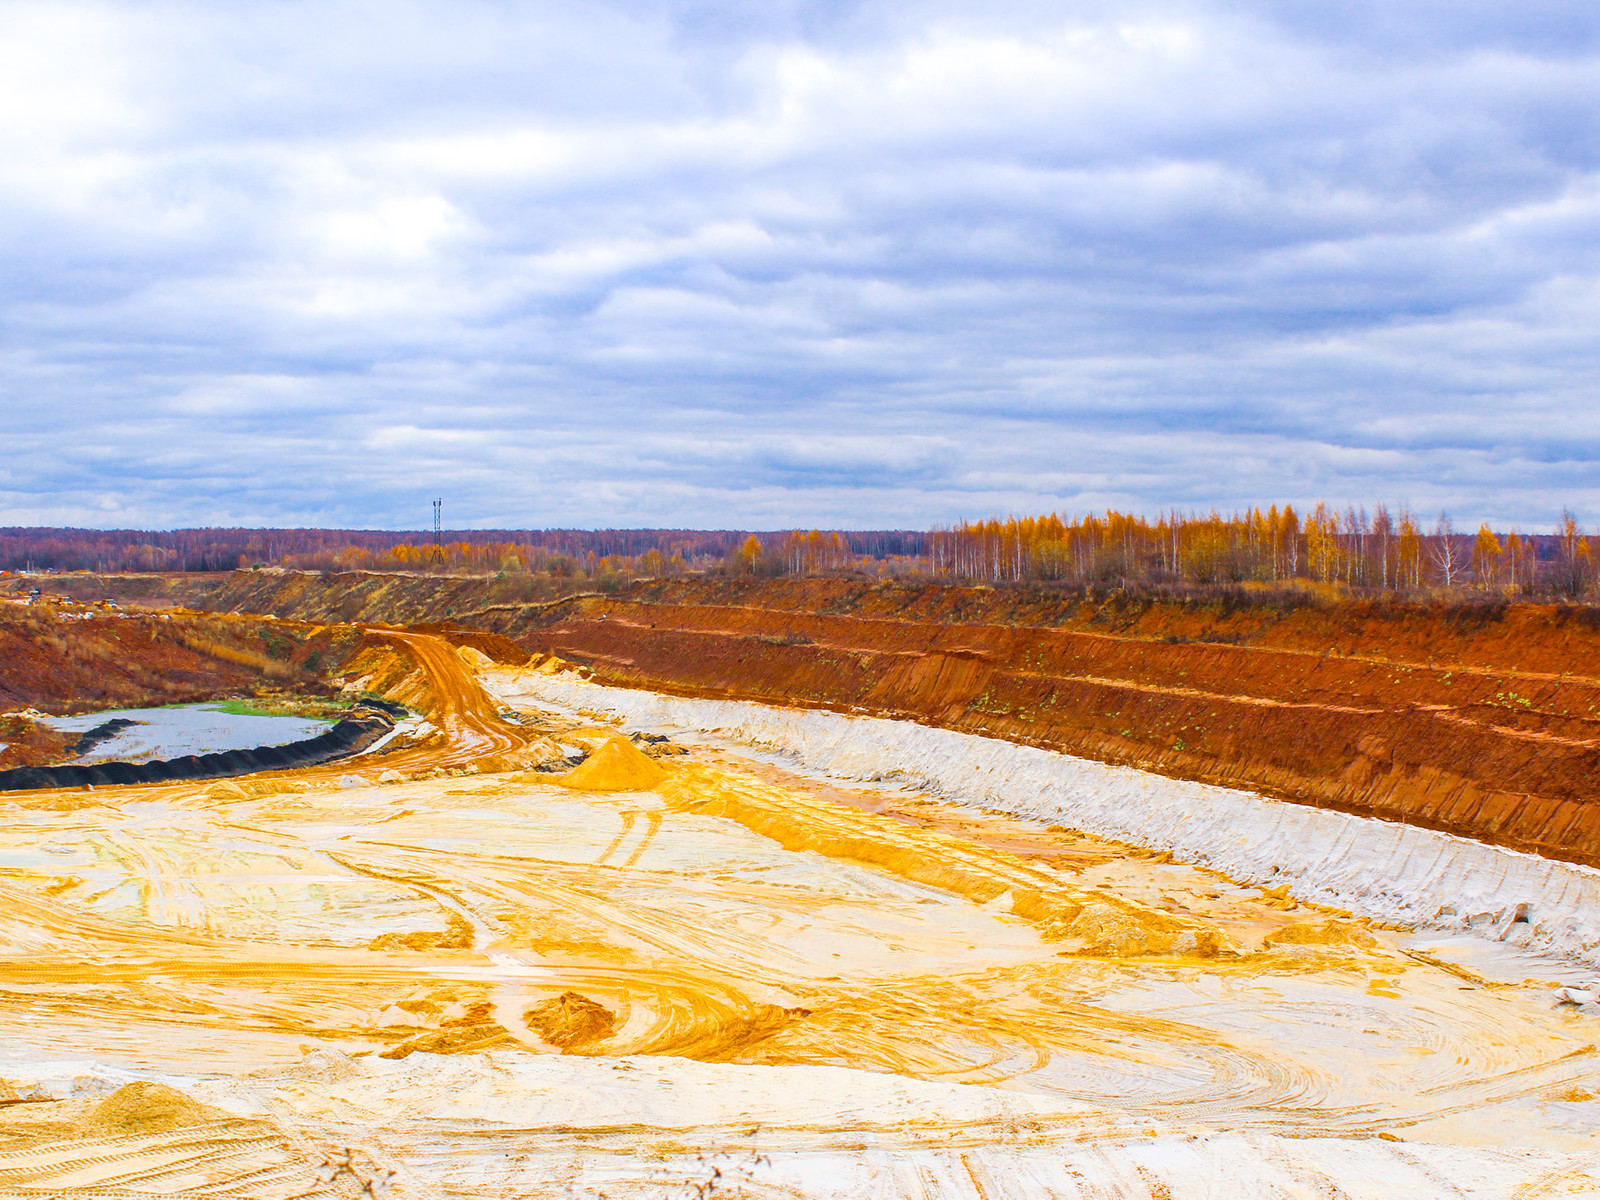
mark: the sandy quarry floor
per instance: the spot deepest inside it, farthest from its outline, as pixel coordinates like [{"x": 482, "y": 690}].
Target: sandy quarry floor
[{"x": 740, "y": 979}]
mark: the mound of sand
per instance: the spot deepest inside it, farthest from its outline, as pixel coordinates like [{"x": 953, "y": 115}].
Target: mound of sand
[
  {"x": 145, "y": 1107},
  {"x": 570, "y": 1019},
  {"x": 589, "y": 737},
  {"x": 134, "y": 1110},
  {"x": 618, "y": 766},
  {"x": 475, "y": 1030}
]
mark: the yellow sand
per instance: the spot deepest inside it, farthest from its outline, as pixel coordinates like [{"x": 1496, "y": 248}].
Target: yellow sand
[{"x": 618, "y": 766}]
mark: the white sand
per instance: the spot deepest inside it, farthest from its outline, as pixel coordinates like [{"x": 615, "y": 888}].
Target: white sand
[{"x": 1378, "y": 869}]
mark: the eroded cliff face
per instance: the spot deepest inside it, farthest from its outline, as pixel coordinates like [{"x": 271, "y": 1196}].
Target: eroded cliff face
[{"x": 1481, "y": 723}]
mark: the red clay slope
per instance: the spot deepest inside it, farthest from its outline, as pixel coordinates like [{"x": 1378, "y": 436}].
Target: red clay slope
[
  {"x": 77, "y": 660},
  {"x": 1484, "y": 722}
]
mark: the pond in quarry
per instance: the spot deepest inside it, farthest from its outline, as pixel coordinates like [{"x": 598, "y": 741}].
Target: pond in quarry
[{"x": 145, "y": 734}]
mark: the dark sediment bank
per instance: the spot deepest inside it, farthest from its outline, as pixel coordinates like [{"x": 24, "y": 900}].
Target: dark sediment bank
[{"x": 100, "y": 733}]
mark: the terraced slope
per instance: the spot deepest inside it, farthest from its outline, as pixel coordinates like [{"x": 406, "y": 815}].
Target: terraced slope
[{"x": 1485, "y": 724}]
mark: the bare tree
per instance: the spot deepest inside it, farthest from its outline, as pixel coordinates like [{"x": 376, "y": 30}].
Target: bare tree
[
  {"x": 1447, "y": 556},
  {"x": 1363, "y": 533},
  {"x": 1382, "y": 532}
]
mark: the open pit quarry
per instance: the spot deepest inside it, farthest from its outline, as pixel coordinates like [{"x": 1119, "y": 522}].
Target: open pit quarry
[{"x": 811, "y": 890}]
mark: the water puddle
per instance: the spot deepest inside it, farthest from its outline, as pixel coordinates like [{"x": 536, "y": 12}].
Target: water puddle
[{"x": 145, "y": 734}]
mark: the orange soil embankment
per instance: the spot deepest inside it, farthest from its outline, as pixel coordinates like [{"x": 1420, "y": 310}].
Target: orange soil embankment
[{"x": 1482, "y": 722}]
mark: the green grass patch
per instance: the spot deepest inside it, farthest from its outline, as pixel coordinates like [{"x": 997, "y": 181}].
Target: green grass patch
[{"x": 316, "y": 707}]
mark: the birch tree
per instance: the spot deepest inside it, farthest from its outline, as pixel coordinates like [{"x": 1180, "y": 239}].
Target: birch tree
[{"x": 1447, "y": 556}]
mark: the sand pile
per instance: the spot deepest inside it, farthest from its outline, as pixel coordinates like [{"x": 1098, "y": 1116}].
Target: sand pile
[
  {"x": 570, "y": 1020},
  {"x": 145, "y": 1107},
  {"x": 618, "y": 766},
  {"x": 134, "y": 1110}
]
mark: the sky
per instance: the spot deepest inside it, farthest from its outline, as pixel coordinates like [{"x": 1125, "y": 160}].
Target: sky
[{"x": 763, "y": 265}]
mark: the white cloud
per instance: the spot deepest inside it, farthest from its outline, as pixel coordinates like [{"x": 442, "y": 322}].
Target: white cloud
[{"x": 849, "y": 264}]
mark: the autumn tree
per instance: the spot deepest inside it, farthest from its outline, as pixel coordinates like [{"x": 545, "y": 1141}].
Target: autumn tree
[
  {"x": 1486, "y": 550},
  {"x": 748, "y": 555},
  {"x": 1515, "y": 553},
  {"x": 1408, "y": 551},
  {"x": 1289, "y": 537},
  {"x": 1577, "y": 566},
  {"x": 1319, "y": 543}
]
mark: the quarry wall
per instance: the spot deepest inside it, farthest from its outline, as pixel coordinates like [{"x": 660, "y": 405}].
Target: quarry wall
[
  {"x": 1481, "y": 720},
  {"x": 1397, "y": 716}
]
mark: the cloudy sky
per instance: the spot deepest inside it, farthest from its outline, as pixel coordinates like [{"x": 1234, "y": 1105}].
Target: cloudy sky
[{"x": 788, "y": 263}]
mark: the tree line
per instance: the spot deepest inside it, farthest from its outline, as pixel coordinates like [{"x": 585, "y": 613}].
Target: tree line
[
  {"x": 561, "y": 553},
  {"x": 1386, "y": 549}
]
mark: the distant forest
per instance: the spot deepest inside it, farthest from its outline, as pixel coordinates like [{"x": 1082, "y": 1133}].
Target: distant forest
[
  {"x": 565, "y": 551},
  {"x": 1348, "y": 550}
]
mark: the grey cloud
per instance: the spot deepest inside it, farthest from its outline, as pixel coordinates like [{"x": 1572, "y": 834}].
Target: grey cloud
[{"x": 854, "y": 264}]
